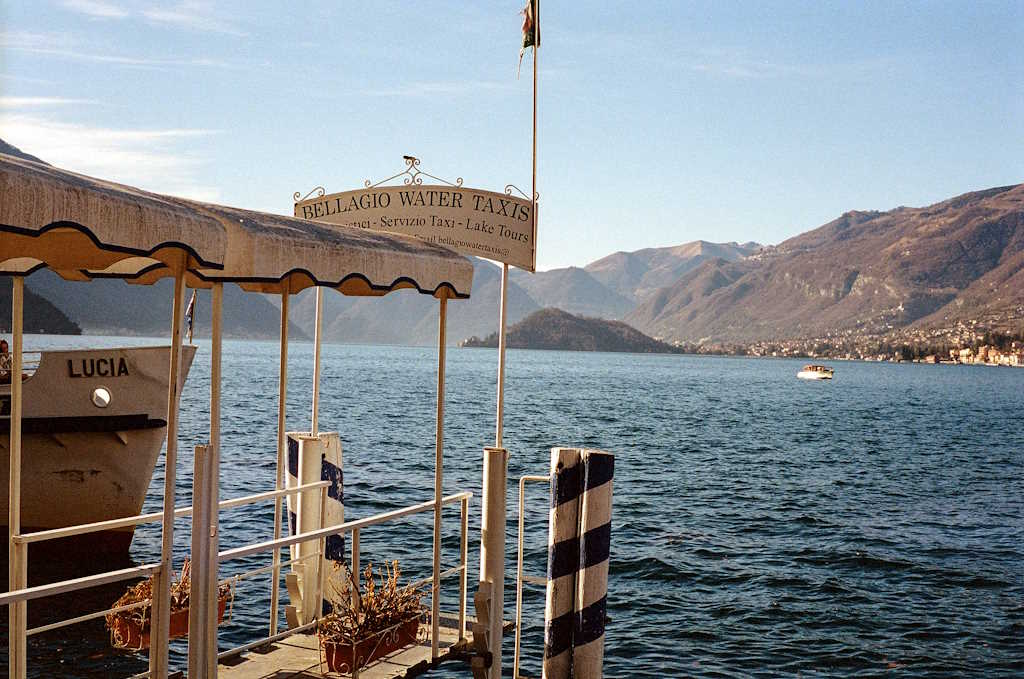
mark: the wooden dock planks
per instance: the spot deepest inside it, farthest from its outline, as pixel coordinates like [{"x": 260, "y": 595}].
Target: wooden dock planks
[{"x": 298, "y": 657}]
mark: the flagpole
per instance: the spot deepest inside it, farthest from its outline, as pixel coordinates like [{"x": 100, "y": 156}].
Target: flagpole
[
  {"x": 533, "y": 185},
  {"x": 499, "y": 426}
]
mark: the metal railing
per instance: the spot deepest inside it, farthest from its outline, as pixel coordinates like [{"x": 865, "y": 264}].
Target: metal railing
[
  {"x": 65, "y": 586},
  {"x": 520, "y": 577},
  {"x": 355, "y": 528},
  {"x": 26, "y": 594}
]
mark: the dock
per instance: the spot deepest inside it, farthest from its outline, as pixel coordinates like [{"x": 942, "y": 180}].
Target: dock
[{"x": 298, "y": 657}]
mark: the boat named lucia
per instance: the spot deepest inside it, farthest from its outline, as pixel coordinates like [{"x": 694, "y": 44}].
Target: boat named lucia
[{"x": 93, "y": 424}]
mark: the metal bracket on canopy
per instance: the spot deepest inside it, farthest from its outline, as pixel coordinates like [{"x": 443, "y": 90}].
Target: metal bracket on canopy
[
  {"x": 319, "y": 191},
  {"x": 413, "y": 175}
]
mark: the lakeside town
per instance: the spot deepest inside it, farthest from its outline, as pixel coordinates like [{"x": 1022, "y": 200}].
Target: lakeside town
[{"x": 967, "y": 343}]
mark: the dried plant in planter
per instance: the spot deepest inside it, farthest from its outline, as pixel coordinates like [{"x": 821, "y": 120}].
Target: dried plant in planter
[
  {"x": 385, "y": 618},
  {"x": 130, "y": 629}
]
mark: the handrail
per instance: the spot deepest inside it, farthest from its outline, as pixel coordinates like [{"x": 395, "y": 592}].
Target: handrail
[
  {"x": 256, "y": 548},
  {"x": 88, "y": 616},
  {"x": 62, "y": 586},
  {"x": 354, "y": 527},
  {"x": 153, "y": 517},
  {"x": 29, "y": 593},
  {"x": 520, "y": 578}
]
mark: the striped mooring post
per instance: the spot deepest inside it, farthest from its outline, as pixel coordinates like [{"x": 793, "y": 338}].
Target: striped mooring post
[
  {"x": 312, "y": 459},
  {"x": 579, "y": 542}
]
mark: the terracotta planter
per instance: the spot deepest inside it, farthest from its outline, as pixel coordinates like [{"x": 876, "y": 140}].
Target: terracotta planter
[
  {"x": 346, "y": 657},
  {"x": 130, "y": 635}
]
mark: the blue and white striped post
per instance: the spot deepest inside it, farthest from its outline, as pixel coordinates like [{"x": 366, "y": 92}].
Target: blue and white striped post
[
  {"x": 578, "y": 549},
  {"x": 563, "y": 561},
  {"x": 592, "y": 582}
]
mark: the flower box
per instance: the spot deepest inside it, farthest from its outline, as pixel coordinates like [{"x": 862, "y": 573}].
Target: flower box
[
  {"x": 370, "y": 622},
  {"x": 129, "y": 629},
  {"x": 346, "y": 657},
  {"x": 129, "y": 633}
]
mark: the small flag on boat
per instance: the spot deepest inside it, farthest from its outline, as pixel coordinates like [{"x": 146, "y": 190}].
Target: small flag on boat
[
  {"x": 189, "y": 313},
  {"x": 531, "y": 28}
]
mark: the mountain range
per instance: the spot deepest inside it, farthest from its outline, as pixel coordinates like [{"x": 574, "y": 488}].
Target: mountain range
[{"x": 958, "y": 261}]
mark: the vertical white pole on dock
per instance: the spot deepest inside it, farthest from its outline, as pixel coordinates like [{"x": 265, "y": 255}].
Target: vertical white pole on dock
[
  {"x": 315, "y": 426},
  {"x": 161, "y": 619},
  {"x": 282, "y": 391},
  {"x": 213, "y": 481},
  {"x": 202, "y": 639},
  {"x": 197, "y": 650},
  {"x": 17, "y": 575},
  {"x": 492, "y": 547},
  {"x": 502, "y": 315},
  {"x": 435, "y": 596},
  {"x": 308, "y": 518}
]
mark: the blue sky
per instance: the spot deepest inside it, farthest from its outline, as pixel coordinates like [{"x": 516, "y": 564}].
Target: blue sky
[{"x": 660, "y": 122}]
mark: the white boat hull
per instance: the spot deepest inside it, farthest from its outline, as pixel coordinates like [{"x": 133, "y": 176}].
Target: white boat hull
[
  {"x": 82, "y": 463},
  {"x": 813, "y": 375}
]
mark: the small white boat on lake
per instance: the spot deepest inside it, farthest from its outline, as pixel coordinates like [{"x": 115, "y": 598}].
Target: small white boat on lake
[{"x": 815, "y": 372}]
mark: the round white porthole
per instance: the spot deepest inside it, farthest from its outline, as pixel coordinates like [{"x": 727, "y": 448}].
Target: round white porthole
[{"x": 101, "y": 397}]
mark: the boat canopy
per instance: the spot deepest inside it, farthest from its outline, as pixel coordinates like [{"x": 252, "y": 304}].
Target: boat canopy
[{"x": 86, "y": 228}]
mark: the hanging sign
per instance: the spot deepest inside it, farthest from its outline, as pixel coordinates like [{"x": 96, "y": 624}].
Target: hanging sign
[{"x": 471, "y": 221}]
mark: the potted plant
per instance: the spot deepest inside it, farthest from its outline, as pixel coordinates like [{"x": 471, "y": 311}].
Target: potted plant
[
  {"x": 386, "y": 617},
  {"x": 130, "y": 629}
]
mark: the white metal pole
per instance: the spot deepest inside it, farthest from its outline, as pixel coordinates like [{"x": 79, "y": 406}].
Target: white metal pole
[
  {"x": 464, "y": 564},
  {"x": 492, "y": 547},
  {"x": 202, "y": 643},
  {"x": 197, "y": 650},
  {"x": 499, "y": 426},
  {"x": 533, "y": 191},
  {"x": 519, "y": 580},
  {"x": 161, "y": 619},
  {"x": 315, "y": 427},
  {"x": 213, "y": 480},
  {"x": 282, "y": 390},
  {"x": 435, "y": 596},
  {"x": 17, "y": 576}
]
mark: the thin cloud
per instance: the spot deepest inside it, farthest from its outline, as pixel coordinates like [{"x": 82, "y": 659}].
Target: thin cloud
[
  {"x": 161, "y": 160},
  {"x": 97, "y": 9},
  {"x": 423, "y": 89},
  {"x": 192, "y": 15},
  {"x": 61, "y": 47},
  {"x": 40, "y": 102},
  {"x": 740, "y": 65}
]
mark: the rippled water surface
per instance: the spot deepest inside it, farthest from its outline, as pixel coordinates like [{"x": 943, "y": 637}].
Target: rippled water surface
[{"x": 762, "y": 526}]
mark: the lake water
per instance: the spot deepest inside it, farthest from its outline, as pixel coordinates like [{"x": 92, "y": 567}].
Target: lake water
[{"x": 762, "y": 525}]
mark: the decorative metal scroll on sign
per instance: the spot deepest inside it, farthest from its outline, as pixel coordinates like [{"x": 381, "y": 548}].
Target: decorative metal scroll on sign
[
  {"x": 319, "y": 191},
  {"x": 413, "y": 175},
  {"x": 508, "y": 192},
  {"x": 488, "y": 224}
]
